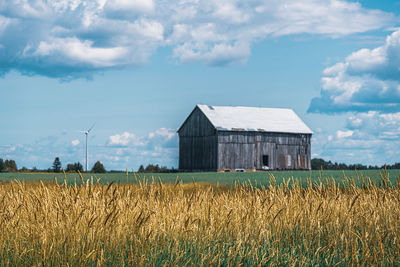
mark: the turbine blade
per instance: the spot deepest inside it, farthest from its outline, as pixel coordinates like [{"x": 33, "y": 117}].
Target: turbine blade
[{"x": 91, "y": 127}]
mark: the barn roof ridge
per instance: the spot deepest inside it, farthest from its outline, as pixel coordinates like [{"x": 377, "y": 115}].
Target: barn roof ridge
[{"x": 241, "y": 118}]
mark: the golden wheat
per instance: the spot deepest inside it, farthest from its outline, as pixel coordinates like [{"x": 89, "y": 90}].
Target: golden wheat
[{"x": 199, "y": 224}]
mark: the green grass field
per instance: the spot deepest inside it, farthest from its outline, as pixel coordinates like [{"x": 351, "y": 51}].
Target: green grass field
[{"x": 261, "y": 178}]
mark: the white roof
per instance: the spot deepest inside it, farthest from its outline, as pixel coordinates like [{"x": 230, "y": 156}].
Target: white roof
[{"x": 279, "y": 120}]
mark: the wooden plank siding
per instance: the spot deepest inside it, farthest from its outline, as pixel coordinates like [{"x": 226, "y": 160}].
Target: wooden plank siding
[
  {"x": 204, "y": 148},
  {"x": 245, "y": 150},
  {"x": 197, "y": 144}
]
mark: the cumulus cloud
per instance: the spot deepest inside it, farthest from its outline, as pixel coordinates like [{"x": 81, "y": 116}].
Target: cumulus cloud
[
  {"x": 167, "y": 133},
  {"x": 75, "y": 38},
  {"x": 368, "y": 79},
  {"x": 158, "y": 147},
  {"x": 365, "y": 85},
  {"x": 368, "y": 137},
  {"x": 121, "y": 139},
  {"x": 344, "y": 134},
  {"x": 127, "y": 8},
  {"x": 376, "y": 125},
  {"x": 75, "y": 142}
]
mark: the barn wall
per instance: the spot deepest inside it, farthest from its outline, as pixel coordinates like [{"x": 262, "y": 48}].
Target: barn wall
[
  {"x": 197, "y": 144},
  {"x": 245, "y": 150},
  {"x": 198, "y": 153}
]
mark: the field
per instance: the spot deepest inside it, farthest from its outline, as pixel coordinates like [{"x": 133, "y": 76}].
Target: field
[
  {"x": 356, "y": 222},
  {"x": 261, "y": 178}
]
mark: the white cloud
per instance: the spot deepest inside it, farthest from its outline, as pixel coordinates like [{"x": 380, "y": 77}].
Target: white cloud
[
  {"x": 167, "y": 133},
  {"x": 161, "y": 136},
  {"x": 376, "y": 125},
  {"x": 229, "y": 11},
  {"x": 75, "y": 142},
  {"x": 75, "y": 38},
  {"x": 130, "y": 6},
  {"x": 368, "y": 79},
  {"x": 78, "y": 52},
  {"x": 157, "y": 147},
  {"x": 218, "y": 54},
  {"x": 10, "y": 149},
  {"x": 321, "y": 17},
  {"x": 26, "y": 9},
  {"x": 344, "y": 134},
  {"x": 369, "y": 138},
  {"x": 4, "y": 22},
  {"x": 124, "y": 139}
]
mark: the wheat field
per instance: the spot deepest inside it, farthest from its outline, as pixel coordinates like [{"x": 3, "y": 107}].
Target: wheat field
[{"x": 156, "y": 224}]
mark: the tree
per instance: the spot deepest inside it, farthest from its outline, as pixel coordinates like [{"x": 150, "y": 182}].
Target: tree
[
  {"x": 75, "y": 167},
  {"x": 98, "y": 168},
  {"x": 141, "y": 168},
  {"x": 57, "y": 165},
  {"x": 2, "y": 167},
  {"x": 10, "y": 166},
  {"x": 24, "y": 169},
  {"x": 155, "y": 168}
]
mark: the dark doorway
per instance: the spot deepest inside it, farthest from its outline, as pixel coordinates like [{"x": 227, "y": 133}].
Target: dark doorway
[{"x": 265, "y": 160}]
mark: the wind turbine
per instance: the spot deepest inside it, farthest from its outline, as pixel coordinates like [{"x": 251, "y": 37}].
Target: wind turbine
[{"x": 87, "y": 133}]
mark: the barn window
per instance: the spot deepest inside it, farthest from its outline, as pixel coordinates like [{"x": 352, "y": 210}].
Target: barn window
[{"x": 265, "y": 160}]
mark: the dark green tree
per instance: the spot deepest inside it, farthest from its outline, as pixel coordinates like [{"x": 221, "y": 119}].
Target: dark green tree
[
  {"x": 75, "y": 167},
  {"x": 98, "y": 168},
  {"x": 141, "y": 168},
  {"x": 57, "y": 165},
  {"x": 152, "y": 168},
  {"x": 2, "y": 167},
  {"x": 10, "y": 166},
  {"x": 24, "y": 169}
]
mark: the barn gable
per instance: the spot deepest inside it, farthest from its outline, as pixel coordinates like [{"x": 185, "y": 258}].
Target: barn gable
[{"x": 196, "y": 124}]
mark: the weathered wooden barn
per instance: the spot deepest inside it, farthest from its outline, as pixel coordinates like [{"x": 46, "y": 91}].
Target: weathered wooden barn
[{"x": 223, "y": 138}]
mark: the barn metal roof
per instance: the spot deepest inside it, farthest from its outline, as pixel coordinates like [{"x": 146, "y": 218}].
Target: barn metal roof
[{"x": 229, "y": 118}]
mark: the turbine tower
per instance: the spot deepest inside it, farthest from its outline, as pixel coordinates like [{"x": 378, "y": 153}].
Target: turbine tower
[{"x": 87, "y": 155}]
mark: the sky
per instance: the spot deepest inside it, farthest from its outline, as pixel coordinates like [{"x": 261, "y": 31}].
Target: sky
[{"x": 137, "y": 68}]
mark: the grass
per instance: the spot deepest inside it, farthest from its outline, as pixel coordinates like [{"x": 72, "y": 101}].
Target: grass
[
  {"x": 261, "y": 178},
  {"x": 154, "y": 223}
]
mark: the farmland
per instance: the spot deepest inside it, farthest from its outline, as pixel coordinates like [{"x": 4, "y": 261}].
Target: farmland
[
  {"x": 261, "y": 178},
  {"x": 156, "y": 223}
]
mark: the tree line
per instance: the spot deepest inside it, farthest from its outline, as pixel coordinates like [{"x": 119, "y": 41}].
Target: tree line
[
  {"x": 98, "y": 167},
  {"x": 318, "y": 163},
  {"x": 156, "y": 169},
  {"x": 11, "y": 166}
]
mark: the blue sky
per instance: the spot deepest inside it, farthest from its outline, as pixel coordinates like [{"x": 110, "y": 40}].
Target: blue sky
[{"x": 137, "y": 68}]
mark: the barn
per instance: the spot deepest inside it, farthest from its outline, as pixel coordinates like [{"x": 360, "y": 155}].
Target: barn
[{"x": 225, "y": 138}]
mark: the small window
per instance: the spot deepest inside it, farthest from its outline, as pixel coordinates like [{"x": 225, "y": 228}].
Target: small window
[
  {"x": 289, "y": 160},
  {"x": 265, "y": 160}
]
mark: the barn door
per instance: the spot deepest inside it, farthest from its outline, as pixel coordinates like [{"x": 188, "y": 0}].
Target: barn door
[{"x": 266, "y": 155}]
